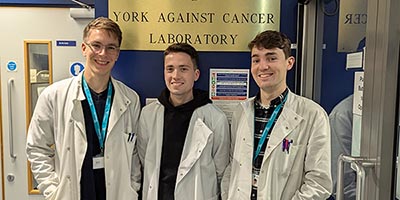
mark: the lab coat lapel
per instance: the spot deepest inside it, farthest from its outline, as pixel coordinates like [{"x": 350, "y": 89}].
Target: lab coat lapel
[
  {"x": 77, "y": 111},
  {"x": 286, "y": 123},
  {"x": 199, "y": 138},
  {"x": 119, "y": 106}
]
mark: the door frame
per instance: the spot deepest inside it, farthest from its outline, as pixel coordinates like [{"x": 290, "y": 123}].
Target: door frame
[
  {"x": 1, "y": 144},
  {"x": 379, "y": 117}
]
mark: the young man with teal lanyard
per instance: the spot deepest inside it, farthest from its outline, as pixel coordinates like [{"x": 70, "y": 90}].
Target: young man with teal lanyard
[
  {"x": 81, "y": 139},
  {"x": 280, "y": 141}
]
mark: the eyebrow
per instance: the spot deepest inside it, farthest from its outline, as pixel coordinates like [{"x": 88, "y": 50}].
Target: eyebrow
[
  {"x": 270, "y": 53},
  {"x": 267, "y": 54},
  {"x": 109, "y": 44},
  {"x": 179, "y": 66}
]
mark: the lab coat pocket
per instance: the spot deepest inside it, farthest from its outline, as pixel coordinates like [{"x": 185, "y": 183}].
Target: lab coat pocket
[
  {"x": 130, "y": 137},
  {"x": 286, "y": 162},
  {"x": 129, "y": 142}
]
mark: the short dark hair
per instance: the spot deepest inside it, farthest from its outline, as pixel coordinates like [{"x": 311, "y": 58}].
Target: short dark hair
[
  {"x": 270, "y": 40},
  {"x": 103, "y": 23},
  {"x": 185, "y": 48}
]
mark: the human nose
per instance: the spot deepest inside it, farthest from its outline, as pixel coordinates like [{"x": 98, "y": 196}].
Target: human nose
[
  {"x": 264, "y": 64},
  {"x": 102, "y": 50},
  {"x": 175, "y": 73}
]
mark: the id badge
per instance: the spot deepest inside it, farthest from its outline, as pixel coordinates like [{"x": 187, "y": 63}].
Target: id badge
[{"x": 98, "y": 162}]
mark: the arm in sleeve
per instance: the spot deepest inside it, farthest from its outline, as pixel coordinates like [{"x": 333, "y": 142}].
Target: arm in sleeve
[
  {"x": 341, "y": 138},
  {"x": 317, "y": 182},
  {"x": 40, "y": 145}
]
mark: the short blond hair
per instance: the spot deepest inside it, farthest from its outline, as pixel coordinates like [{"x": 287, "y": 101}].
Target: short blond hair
[{"x": 103, "y": 23}]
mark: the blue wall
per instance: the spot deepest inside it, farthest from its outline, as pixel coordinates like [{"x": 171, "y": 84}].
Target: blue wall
[
  {"x": 143, "y": 70},
  {"x": 47, "y": 3}
]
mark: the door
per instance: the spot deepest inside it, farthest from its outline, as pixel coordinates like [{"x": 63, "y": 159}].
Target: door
[
  {"x": 374, "y": 142},
  {"x": 379, "y": 138},
  {"x": 21, "y": 27}
]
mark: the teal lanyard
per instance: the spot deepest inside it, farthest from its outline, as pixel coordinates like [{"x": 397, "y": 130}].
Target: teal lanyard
[
  {"x": 100, "y": 133},
  {"x": 268, "y": 127}
]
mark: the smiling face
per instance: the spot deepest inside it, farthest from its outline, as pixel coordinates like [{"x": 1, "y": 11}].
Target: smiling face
[
  {"x": 180, "y": 75},
  {"x": 269, "y": 68},
  {"x": 100, "y": 55}
]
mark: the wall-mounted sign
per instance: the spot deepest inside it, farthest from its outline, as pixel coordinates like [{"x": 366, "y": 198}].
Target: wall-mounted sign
[
  {"x": 352, "y": 25},
  {"x": 229, "y": 84},
  {"x": 208, "y": 25},
  {"x": 11, "y": 66},
  {"x": 75, "y": 68},
  {"x": 228, "y": 87},
  {"x": 66, "y": 43}
]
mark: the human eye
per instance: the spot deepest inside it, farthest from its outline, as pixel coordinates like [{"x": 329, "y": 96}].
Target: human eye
[
  {"x": 184, "y": 69},
  {"x": 169, "y": 69},
  {"x": 112, "y": 48},
  {"x": 255, "y": 60},
  {"x": 271, "y": 58},
  {"x": 96, "y": 46}
]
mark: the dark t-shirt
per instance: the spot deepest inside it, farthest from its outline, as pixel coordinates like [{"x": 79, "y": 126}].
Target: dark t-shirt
[{"x": 93, "y": 186}]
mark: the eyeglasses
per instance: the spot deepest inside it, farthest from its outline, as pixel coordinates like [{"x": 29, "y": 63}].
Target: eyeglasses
[{"x": 98, "y": 47}]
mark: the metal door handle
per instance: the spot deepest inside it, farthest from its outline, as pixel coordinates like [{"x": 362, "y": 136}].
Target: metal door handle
[
  {"x": 10, "y": 122},
  {"x": 359, "y": 163}
]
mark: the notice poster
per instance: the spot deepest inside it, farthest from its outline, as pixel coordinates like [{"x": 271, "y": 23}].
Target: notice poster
[{"x": 228, "y": 87}]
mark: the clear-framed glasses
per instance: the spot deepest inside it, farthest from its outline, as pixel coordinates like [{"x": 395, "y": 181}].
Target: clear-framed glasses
[{"x": 98, "y": 47}]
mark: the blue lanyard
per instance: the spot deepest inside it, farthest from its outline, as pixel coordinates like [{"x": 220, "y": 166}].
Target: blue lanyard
[
  {"x": 268, "y": 127},
  {"x": 100, "y": 133}
]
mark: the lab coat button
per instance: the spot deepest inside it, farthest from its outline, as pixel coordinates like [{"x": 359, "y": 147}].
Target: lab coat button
[
  {"x": 244, "y": 139},
  {"x": 287, "y": 128},
  {"x": 68, "y": 177},
  {"x": 68, "y": 148}
]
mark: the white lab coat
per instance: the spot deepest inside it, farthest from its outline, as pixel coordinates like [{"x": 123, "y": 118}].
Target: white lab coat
[
  {"x": 204, "y": 157},
  {"x": 56, "y": 143},
  {"x": 303, "y": 173}
]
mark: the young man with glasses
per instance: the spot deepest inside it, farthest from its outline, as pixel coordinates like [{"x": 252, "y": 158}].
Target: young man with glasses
[{"x": 81, "y": 139}]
